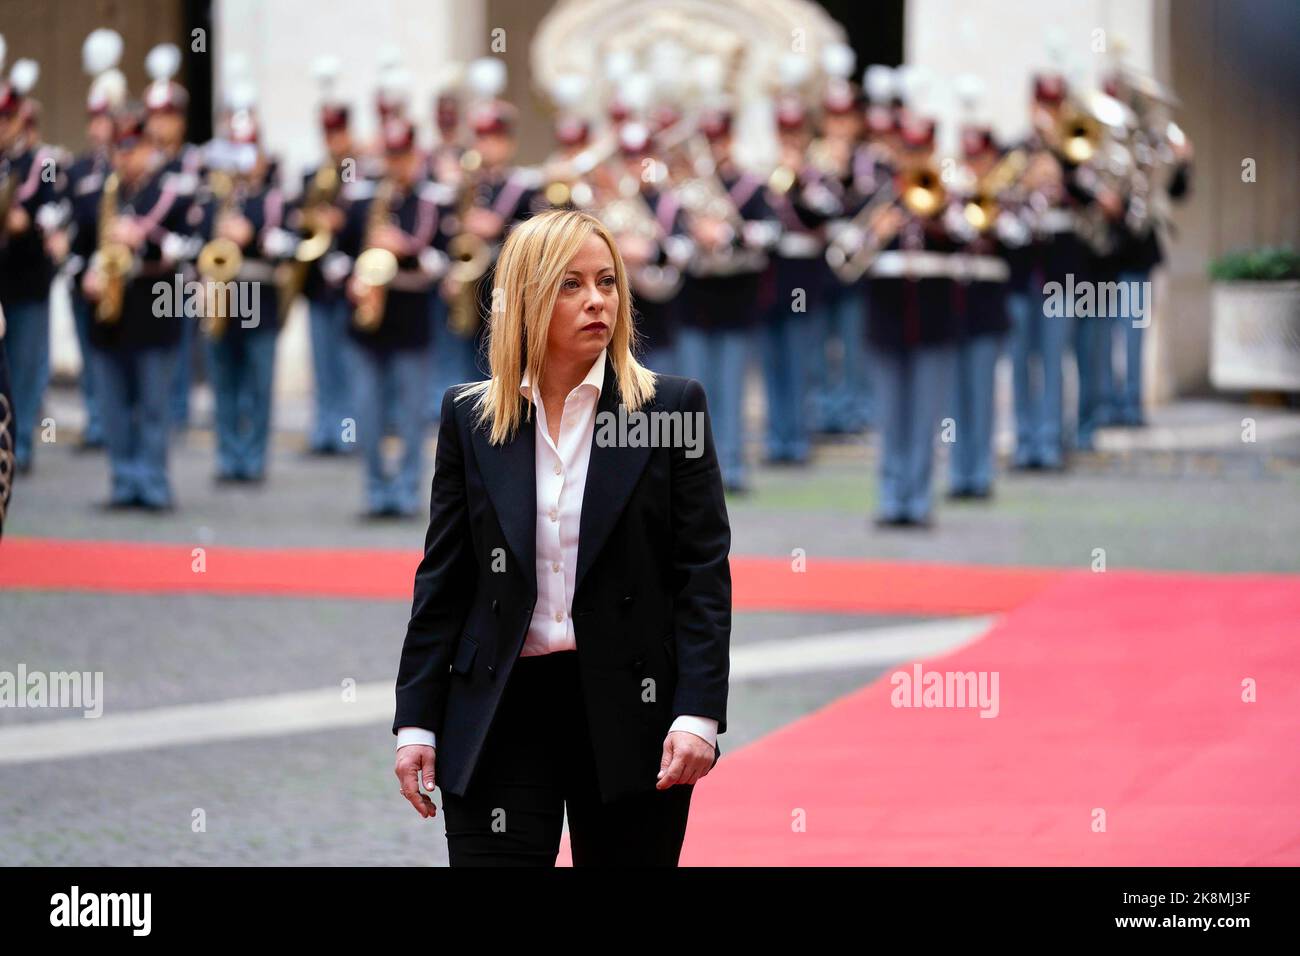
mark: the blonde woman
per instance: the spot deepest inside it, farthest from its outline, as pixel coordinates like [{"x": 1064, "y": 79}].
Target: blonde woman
[{"x": 568, "y": 644}]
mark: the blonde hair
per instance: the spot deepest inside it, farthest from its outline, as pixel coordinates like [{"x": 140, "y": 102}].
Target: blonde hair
[{"x": 529, "y": 272}]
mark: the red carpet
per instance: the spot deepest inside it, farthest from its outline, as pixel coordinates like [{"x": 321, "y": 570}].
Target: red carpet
[
  {"x": 1119, "y": 691},
  {"x": 760, "y": 584}
]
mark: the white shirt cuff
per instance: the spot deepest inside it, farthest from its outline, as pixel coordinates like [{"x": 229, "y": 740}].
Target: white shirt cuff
[
  {"x": 414, "y": 735},
  {"x": 705, "y": 727}
]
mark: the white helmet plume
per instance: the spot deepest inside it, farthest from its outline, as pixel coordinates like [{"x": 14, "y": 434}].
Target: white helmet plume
[{"x": 102, "y": 50}]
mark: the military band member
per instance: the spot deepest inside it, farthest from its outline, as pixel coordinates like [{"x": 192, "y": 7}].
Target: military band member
[
  {"x": 1037, "y": 339},
  {"x": 654, "y": 243},
  {"x": 910, "y": 294},
  {"x": 444, "y": 157},
  {"x": 134, "y": 343},
  {"x": 794, "y": 323},
  {"x": 182, "y": 171},
  {"x": 981, "y": 276},
  {"x": 101, "y": 54},
  {"x": 839, "y": 393},
  {"x": 241, "y": 315},
  {"x": 732, "y": 228},
  {"x": 29, "y": 176},
  {"x": 324, "y": 198},
  {"x": 1162, "y": 163},
  {"x": 389, "y": 332},
  {"x": 493, "y": 195}
]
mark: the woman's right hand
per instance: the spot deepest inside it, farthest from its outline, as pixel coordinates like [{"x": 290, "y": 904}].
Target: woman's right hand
[{"x": 415, "y": 762}]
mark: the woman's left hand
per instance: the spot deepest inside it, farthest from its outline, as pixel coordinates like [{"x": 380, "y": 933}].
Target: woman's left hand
[{"x": 687, "y": 757}]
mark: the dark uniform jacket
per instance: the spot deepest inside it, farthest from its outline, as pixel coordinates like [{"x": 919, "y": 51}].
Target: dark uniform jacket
[
  {"x": 25, "y": 268},
  {"x": 262, "y": 204},
  {"x": 408, "y": 301},
  {"x": 730, "y": 300},
  {"x": 164, "y": 211},
  {"x": 909, "y": 312}
]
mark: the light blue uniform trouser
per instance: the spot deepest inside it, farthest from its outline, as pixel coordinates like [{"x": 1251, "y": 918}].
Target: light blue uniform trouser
[
  {"x": 1037, "y": 350},
  {"x": 1125, "y": 392},
  {"x": 328, "y": 321},
  {"x": 135, "y": 391},
  {"x": 83, "y": 314},
  {"x": 1092, "y": 336},
  {"x": 787, "y": 340},
  {"x": 662, "y": 359},
  {"x": 179, "y": 397},
  {"x": 911, "y": 388},
  {"x": 28, "y": 344},
  {"x": 840, "y": 399},
  {"x": 717, "y": 359},
  {"x": 242, "y": 369},
  {"x": 970, "y": 462},
  {"x": 390, "y": 389},
  {"x": 452, "y": 359}
]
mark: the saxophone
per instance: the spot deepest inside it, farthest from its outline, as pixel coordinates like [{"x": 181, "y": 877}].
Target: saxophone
[
  {"x": 317, "y": 238},
  {"x": 470, "y": 257},
  {"x": 220, "y": 259},
  {"x": 113, "y": 260},
  {"x": 375, "y": 267}
]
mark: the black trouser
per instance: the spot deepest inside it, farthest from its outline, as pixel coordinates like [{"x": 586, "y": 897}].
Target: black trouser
[{"x": 537, "y": 762}]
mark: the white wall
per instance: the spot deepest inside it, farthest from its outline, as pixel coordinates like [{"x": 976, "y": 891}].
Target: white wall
[
  {"x": 282, "y": 38},
  {"x": 1004, "y": 43}
]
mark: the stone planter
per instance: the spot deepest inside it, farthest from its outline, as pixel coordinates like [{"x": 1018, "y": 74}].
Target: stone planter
[{"x": 1255, "y": 339}]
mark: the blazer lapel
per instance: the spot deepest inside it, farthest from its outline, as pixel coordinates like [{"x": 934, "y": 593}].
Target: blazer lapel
[
  {"x": 611, "y": 475},
  {"x": 509, "y": 472}
]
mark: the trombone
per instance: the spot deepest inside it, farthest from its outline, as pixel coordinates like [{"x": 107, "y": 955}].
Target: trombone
[{"x": 920, "y": 191}]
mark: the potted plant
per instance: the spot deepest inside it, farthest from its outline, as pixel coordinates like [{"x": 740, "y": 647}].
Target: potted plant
[{"x": 1255, "y": 337}]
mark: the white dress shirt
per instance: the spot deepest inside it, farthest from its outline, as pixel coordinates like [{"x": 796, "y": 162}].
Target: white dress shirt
[{"x": 561, "y": 479}]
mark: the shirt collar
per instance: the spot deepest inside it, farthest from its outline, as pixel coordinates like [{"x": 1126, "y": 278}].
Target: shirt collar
[{"x": 595, "y": 378}]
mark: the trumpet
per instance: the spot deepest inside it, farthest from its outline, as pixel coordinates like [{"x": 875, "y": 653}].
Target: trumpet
[
  {"x": 318, "y": 238},
  {"x": 376, "y": 267},
  {"x": 114, "y": 261},
  {"x": 220, "y": 259},
  {"x": 920, "y": 191}
]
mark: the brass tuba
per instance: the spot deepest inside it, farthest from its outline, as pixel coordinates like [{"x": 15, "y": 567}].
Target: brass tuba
[
  {"x": 470, "y": 255},
  {"x": 1077, "y": 136},
  {"x": 220, "y": 259},
  {"x": 375, "y": 268},
  {"x": 113, "y": 260}
]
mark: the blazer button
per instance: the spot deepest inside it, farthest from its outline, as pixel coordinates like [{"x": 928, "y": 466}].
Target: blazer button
[
  {"x": 627, "y": 601},
  {"x": 495, "y": 605},
  {"x": 638, "y": 663},
  {"x": 492, "y": 670}
]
